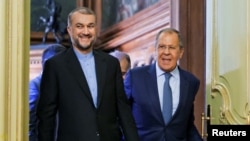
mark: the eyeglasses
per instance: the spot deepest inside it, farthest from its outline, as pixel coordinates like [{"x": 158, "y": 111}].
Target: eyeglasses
[{"x": 170, "y": 48}]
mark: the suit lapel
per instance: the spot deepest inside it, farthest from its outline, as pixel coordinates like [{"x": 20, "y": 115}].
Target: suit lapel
[
  {"x": 184, "y": 86},
  {"x": 100, "y": 74},
  {"x": 153, "y": 89},
  {"x": 76, "y": 71}
]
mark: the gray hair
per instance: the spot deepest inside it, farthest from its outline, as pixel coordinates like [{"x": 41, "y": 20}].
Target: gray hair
[
  {"x": 121, "y": 55},
  {"x": 82, "y": 10},
  {"x": 170, "y": 31}
]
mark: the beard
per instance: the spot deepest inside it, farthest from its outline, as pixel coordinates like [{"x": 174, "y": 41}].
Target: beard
[{"x": 82, "y": 47}]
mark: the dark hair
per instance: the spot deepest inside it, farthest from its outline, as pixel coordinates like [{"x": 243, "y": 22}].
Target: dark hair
[
  {"x": 82, "y": 10},
  {"x": 170, "y": 30},
  {"x": 51, "y": 50}
]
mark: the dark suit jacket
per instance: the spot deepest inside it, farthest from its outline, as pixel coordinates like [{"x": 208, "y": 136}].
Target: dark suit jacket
[
  {"x": 142, "y": 91},
  {"x": 34, "y": 86},
  {"x": 64, "y": 88}
]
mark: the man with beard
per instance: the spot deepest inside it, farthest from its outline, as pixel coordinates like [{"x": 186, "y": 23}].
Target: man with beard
[{"x": 85, "y": 87}]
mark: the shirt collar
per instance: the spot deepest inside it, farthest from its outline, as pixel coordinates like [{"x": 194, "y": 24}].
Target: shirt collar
[
  {"x": 81, "y": 56},
  {"x": 160, "y": 72}
]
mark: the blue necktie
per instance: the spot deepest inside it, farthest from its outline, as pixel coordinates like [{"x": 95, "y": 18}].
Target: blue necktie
[{"x": 167, "y": 99}]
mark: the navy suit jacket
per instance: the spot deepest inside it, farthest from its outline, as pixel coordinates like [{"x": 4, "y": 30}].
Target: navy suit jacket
[
  {"x": 64, "y": 89},
  {"x": 141, "y": 89}
]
